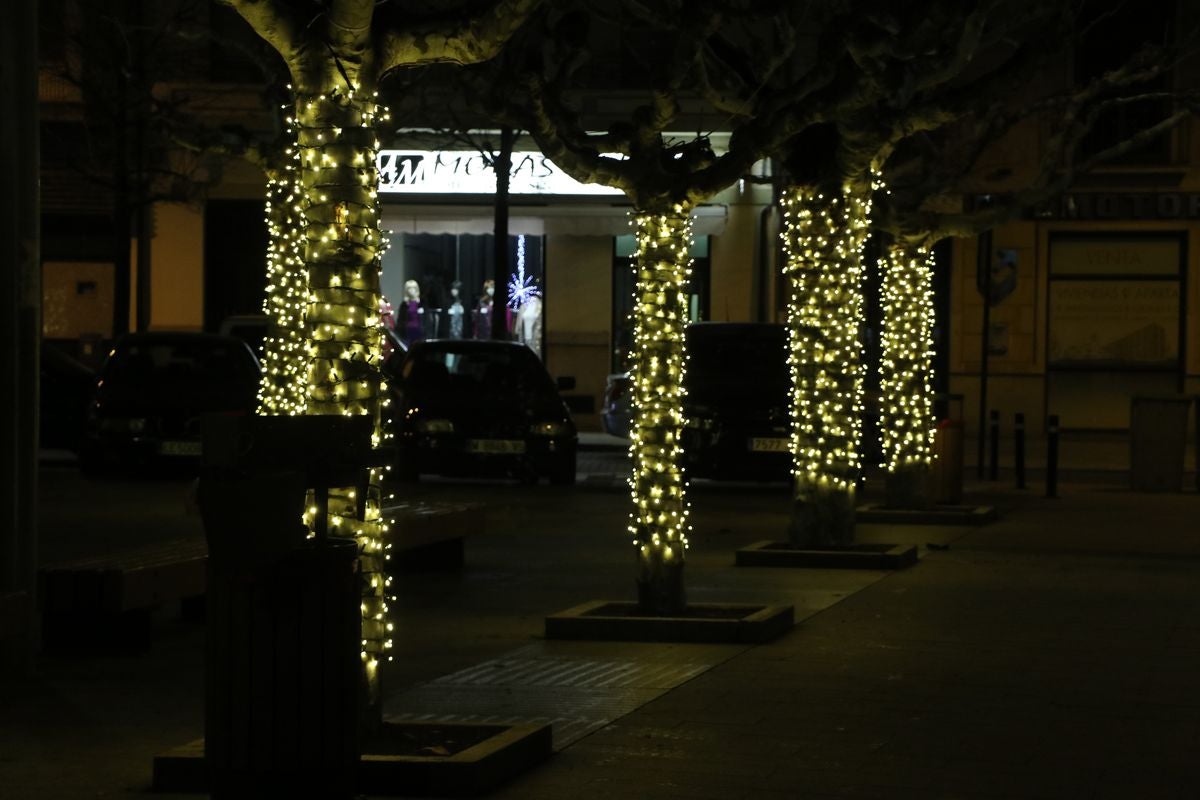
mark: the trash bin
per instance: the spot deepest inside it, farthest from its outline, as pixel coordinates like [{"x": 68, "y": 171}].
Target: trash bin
[
  {"x": 1158, "y": 442},
  {"x": 282, "y": 674},
  {"x": 948, "y": 462},
  {"x": 283, "y": 668}
]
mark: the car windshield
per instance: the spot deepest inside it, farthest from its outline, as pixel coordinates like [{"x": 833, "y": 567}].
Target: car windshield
[
  {"x": 159, "y": 361},
  {"x": 470, "y": 374}
]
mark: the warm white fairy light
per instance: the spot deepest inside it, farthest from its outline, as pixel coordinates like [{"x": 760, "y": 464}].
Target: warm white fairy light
[
  {"x": 659, "y": 521},
  {"x": 906, "y": 360},
  {"x": 284, "y": 388},
  {"x": 823, "y": 240},
  {"x": 342, "y": 247}
]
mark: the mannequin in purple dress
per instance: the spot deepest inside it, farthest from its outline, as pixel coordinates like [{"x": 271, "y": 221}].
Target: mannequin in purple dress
[{"x": 409, "y": 325}]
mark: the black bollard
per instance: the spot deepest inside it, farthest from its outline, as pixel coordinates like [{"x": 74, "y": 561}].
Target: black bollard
[
  {"x": 1019, "y": 443},
  {"x": 994, "y": 467},
  {"x": 1052, "y": 456}
]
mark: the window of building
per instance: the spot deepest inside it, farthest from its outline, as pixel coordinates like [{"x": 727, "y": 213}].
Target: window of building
[
  {"x": 441, "y": 286},
  {"x": 1114, "y": 324}
]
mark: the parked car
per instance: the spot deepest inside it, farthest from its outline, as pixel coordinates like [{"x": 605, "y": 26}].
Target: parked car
[
  {"x": 250, "y": 328},
  {"x": 616, "y": 409},
  {"x": 474, "y": 407},
  {"x": 738, "y": 403},
  {"x": 63, "y": 393},
  {"x": 153, "y": 390},
  {"x": 738, "y": 418}
]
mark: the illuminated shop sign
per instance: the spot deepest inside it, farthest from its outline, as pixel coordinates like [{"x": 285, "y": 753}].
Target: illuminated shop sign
[{"x": 466, "y": 172}]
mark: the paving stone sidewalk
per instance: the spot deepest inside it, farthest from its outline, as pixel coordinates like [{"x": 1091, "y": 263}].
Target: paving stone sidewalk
[{"x": 1053, "y": 654}]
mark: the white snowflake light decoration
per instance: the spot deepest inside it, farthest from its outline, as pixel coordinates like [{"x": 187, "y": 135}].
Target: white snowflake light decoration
[{"x": 521, "y": 287}]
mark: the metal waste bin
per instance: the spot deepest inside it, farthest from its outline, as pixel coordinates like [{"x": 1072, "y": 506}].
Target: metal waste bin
[
  {"x": 282, "y": 659},
  {"x": 948, "y": 439},
  {"x": 948, "y": 462},
  {"x": 1158, "y": 442},
  {"x": 283, "y": 669}
]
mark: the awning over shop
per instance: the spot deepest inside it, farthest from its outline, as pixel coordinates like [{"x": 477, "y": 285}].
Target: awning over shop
[{"x": 561, "y": 220}]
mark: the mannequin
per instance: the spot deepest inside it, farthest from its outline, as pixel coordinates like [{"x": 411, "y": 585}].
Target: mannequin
[
  {"x": 410, "y": 313},
  {"x": 483, "y": 311},
  {"x": 455, "y": 313},
  {"x": 529, "y": 324}
]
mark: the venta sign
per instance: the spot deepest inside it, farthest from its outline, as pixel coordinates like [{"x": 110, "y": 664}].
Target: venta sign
[{"x": 466, "y": 172}]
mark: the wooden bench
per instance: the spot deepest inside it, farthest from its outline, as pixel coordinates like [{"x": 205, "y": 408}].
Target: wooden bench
[
  {"x": 88, "y": 600},
  {"x": 429, "y": 535},
  {"x": 110, "y": 596}
]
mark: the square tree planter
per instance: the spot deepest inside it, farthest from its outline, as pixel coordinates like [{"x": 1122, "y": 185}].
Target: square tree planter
[
  {"x": 411, "y": 758},
  {"x": 853, "y": 556},
  {"x": 426, "y": 759},
  {"x": 934, "y": 515},
  {"x": 614, "y": 620}
]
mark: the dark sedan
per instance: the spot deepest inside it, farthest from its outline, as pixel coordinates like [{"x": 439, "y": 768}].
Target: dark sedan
[
  {"x": 466, "y": 407},
  {"x": 153, "y": 390},
  {"x": 738, "y": 421}
]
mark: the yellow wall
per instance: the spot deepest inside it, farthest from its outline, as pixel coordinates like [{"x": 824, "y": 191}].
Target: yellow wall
[
  {"x": 177, "y": 268},
  {"x": 1017, "y": 380},
  {"x": 579, "y": 314},
  {"x": 77, "y": 299},
  {"x": 734, "y": 257}
]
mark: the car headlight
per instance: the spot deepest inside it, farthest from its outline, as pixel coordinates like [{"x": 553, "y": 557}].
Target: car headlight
[
  {"x": 435, "y": 426},
  {"x": 547, "y": 428}
]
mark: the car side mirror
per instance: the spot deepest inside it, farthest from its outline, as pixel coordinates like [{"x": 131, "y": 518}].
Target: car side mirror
[{"x": 565, "y": 383}]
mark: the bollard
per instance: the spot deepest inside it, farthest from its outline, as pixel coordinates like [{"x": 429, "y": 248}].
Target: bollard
[
  {"x": 994, "y": 467},
  {"x": 1052, "y": 456},
  {"x": 1019, "y": 444}
]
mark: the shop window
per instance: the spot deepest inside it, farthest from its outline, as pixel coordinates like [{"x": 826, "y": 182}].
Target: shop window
[
  {"x": 624, "y": 283},
  {"x": 1115, "y": 324},
  {"x": 441, "y": 286}
]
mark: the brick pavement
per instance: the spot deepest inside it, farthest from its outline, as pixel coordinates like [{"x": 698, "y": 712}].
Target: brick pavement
[{"x": 1050, "y": 654}]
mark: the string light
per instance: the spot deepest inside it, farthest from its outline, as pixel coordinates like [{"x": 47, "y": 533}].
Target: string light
[
  {"x": 659, "y": 520},
  {"x": 823, "y": 239},
  {"x": 906, "y": 360},
  {"x": 323, "y": 296},
  {"x": 284, "y": 389}
]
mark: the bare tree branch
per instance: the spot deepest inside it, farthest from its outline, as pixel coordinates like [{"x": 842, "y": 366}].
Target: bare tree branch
[{"x": 477, "y": 39}]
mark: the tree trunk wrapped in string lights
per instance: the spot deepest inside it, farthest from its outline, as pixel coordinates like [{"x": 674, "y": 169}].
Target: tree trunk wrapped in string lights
[
  {"x": 343, "y": 245},
  {"x": 659, "y": 522},
  {"x": 823, "y": 238},
  {"x": 906, "y": 413},
  {"x": 336, "y": 53},
  {"x": 284, "y": 386}
]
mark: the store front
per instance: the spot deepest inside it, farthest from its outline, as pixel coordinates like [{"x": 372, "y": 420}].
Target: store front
[
  {"x": 441, "y": 286},
  {"x": 1097, "y": 305},
  {"x": 568, "y": 276}
]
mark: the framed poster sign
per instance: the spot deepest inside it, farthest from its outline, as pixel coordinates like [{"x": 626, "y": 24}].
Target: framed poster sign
[
  {"x": 1104, "y": 323},
  {"x": 1115, "y": 301}
]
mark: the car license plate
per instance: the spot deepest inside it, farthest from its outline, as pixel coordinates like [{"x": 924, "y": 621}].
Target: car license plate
[
  {"x": 180, "y": 448},
  {"x": 766, "y": 445},
  {"x": 501, "y": 446}
]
